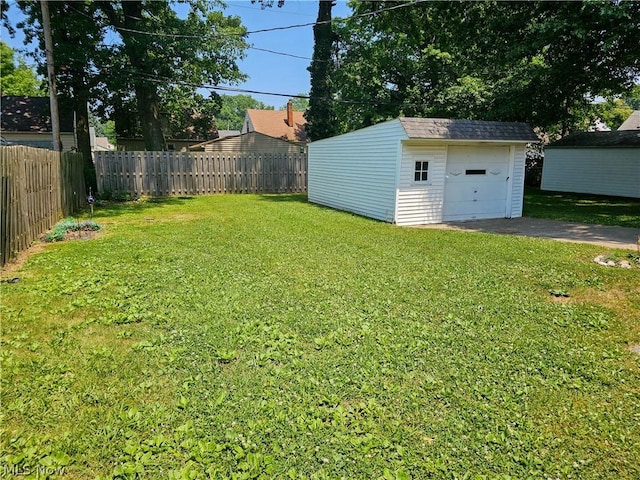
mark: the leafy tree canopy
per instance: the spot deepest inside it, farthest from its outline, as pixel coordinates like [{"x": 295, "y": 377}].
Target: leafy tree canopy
[
  {"x": 144, "y": 61},
  {"x": 232, "y": 110},
  {"x": 299, "y": 103},
  {"x": 539, "y": 62},
  {"x": 16, "y": 77}
]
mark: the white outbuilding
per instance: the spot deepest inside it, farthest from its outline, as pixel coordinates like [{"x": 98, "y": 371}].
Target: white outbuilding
[
  {"x": 599, "y": 163},
  {"x": 415, "y": 171}
]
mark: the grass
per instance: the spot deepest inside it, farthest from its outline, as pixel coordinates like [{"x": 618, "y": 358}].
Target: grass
[
  {"x": 572, "y": 207},
  {"x": 264, "y": 337}
]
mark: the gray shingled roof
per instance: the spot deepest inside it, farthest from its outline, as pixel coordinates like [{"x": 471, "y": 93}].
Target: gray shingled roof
[
  {"x": 631, "y": 123},
  {"x": 618, "y": 138},
  {"x": 32, "y": 114},
  {"x": 444, "y": 128}
]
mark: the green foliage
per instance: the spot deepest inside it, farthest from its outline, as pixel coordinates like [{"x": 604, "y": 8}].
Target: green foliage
[
  {"x": 237, "y": 336},
  {"x": 104, "y": 129},
  {"x": 231, "y": 113},
  {"x": 613, "y": 112},
  {"x": 147, "y": 80},
  {"x": 70, "y": 224},
  {"x": 321, "y": 117},
  {"x": 16, "y": 77},
  {"x": 632, "y": 98},
  {"x": 299, "y": 104},
  {"x": 538, "y": 62}
]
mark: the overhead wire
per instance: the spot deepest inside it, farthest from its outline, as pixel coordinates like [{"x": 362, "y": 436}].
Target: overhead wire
[
  {"x": 273, "y": 29},
  {"x": 166, "y": 80}
]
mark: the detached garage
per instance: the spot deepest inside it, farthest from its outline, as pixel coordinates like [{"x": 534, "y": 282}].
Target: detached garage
[
  {"x": 599, "y": 163},
  {"x": 414, "y": 171}
]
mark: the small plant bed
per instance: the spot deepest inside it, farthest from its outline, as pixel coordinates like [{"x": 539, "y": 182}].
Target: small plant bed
[{"x": 70, "y": 228}]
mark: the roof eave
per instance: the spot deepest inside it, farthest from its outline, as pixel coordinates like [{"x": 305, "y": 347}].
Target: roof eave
[{"x": 468, "y": 140}]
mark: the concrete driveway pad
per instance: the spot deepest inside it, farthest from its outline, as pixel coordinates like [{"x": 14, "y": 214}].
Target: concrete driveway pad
[{"x": 607, "y": 236}]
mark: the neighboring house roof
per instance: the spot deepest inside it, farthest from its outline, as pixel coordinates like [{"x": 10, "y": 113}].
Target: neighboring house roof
[
  {"x": 31, "y": 114},
  {"x": 618, "y": 138},
  {"x": 102, "y": 143},
  {"x": 274, "y": 123},
  {"x": 450, "y": 129},
  {"x": 631, "y": 123}
]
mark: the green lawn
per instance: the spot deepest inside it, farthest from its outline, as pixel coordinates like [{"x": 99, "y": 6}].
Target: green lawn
[
  {"x": 265, "y": 337},
  {"x": 573, "y": 207}
]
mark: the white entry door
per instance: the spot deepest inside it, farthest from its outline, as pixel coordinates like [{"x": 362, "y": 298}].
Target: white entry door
[{"x": 476, "y": 182}]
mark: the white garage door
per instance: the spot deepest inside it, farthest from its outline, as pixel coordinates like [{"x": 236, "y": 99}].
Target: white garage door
[{"x": 476, "y": 182}]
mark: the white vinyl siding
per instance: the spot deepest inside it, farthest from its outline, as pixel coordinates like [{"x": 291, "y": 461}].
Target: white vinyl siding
[
  {"x": 598, "y": 171},
  {"x": 518, "y": 158},
  {"x": 420, "y": 203},
  {"x": 356, "y": 172}
]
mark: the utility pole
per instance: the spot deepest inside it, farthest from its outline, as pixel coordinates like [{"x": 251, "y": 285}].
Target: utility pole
[{"x": 51, "y": 75}]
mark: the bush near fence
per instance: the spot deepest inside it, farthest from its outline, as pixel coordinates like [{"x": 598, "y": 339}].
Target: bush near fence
[
  {"x": 200, "y": 173},
  {"x": 38, "y": 187}
]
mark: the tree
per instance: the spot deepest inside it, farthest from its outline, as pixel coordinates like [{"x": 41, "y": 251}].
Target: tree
[
  {"x": 321, "y": 118},
  {"x": 299, "y": 103},
  {"x": 164, "y": 52},
  {"x": 16, "y": 77},
  {"x": 320, "y": 113},
  {"x": 613, "y": 112},
  {"x": 539, "y": 62},
  {"x": 76, "y": 51},
  {"x": 232, "y": 110},
  {"x": 632, "y": 97},
  {"x": 159, "y": 57}
]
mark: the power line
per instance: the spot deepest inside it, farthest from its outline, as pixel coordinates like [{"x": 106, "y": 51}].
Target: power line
[
  {"x": 273, "y": 29},
  {"x": 280, "y": 53},
  {"x": 166, "y": 80}
]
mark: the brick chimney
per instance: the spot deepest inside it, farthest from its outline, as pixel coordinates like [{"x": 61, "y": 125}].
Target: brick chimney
[{"x": 290, "y": 113}]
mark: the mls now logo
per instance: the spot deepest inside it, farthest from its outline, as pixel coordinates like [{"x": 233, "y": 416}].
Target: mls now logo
[{"x": 38, "y": 470}]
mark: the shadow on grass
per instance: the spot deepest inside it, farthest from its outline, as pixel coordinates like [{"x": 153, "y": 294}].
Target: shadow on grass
[
  {"x": 583, "y": 208},
  {"x": 115, "y": 209},
  {"x": 285, "y": 197}
]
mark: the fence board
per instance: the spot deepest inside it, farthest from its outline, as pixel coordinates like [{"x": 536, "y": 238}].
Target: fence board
[
  {"x": 184, "y": 173},
  {"x": 38, "y": 187}
]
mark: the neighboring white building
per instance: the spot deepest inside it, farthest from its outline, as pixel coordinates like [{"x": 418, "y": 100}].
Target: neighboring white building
[
  {"x": 413, "y": 171},
  {"x": 99, "y": 144},
  {"x": 599, "y": 163}
]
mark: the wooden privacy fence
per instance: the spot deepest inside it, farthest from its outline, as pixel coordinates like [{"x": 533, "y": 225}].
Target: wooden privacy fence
[
  {"x": 38, "y": 188},
  {"x": 200, "y": 173}
]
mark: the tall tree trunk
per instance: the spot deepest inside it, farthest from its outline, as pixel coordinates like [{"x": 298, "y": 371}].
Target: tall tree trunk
[
  {"x": 150, "y": 118},
  {"x": 146, "y": 92},
  {"x": 83, "y": 136},
  {"x": 321, "y": 116}
]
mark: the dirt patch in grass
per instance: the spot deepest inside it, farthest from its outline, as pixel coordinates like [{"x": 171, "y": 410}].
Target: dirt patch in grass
[{"x": 18, "y": 261}]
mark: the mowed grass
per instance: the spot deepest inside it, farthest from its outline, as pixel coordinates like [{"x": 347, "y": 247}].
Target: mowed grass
[
  {"x": 265, "y": 337},
  {"x": 582, "y": 208}
]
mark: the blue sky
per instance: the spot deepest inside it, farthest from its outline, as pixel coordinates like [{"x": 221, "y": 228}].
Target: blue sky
[{"x": 267, "y": 72}]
